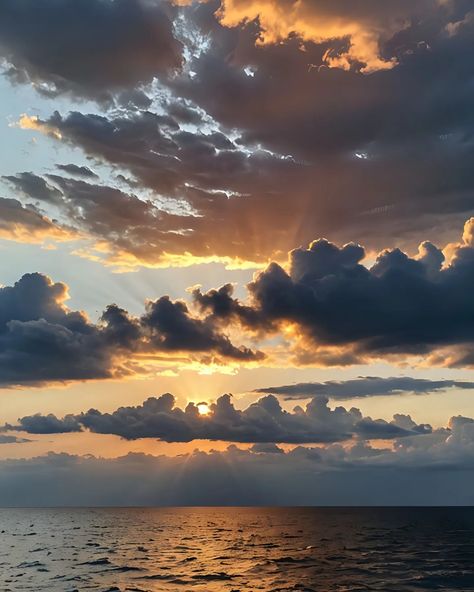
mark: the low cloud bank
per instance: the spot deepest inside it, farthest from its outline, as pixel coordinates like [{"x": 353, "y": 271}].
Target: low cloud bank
[{"x": 434, "y": 469}]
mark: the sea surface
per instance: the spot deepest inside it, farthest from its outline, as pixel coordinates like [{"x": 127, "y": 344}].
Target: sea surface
[{"x": 237, "y": 549}]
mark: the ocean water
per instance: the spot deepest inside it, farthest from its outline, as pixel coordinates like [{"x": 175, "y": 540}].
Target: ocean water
[{"x": 237, "y": 549}]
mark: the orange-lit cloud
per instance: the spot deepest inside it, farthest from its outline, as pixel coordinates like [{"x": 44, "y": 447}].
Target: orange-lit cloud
[
  {"x": 322, "y": 22},
  {"x": 32, "y": 122},
  {"x": 123, "y": 261},
  {"x": 355, "y": 31}
]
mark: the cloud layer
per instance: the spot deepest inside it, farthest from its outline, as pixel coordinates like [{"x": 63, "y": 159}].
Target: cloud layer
[
  {"x": 434, "y": 469},
  {"x": 368, "y": 386}
]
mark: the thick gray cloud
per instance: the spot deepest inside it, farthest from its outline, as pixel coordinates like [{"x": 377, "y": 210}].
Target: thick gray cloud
[
  {"x": 262, "y": 422},
  {"x": 367, "y": 386},
  {"x": 341, "y": 311},
  {"x": 41, "y": 340},
  {"x": 172, "y": 328},
  {"x": 400, "y": 306},
  {"x": 88, "y": 48},
  {"x": 432, "y": 469}
]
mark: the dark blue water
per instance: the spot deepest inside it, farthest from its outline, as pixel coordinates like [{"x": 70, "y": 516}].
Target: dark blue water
[{"x": 237, "y": 549}]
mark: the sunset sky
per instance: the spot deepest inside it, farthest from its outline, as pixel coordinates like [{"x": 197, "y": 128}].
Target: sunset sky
[{"x": 236, "y": 251}]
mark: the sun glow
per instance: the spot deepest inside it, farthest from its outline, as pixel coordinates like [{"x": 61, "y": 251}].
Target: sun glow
[{"x": 203, "y": 408}]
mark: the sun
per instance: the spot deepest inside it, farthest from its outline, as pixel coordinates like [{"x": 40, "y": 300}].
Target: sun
[{"x": 203, "y": 408}]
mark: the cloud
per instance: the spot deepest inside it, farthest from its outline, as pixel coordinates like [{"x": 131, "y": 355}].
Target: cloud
[
  {"x": 262, "y": 422},
  {"x": 432, "y": 469},
  {"x": 342, "y": 312},
  {"x": 202, "y": 183},
  {"x": 226, "y": 140},
  {"x": 42, "y": 341},
  {"x": 354, "y": 33},
  {"x": 90, "y": 48},
  {"x": 367, "y": 386},
  {"x": 25, "y": 224},
  {"x": 386, "y": 151},
  {"x": 325, "y": 307},
  {"x": 171, "y": 328},
  {"x": 7, "y": 439},
  {"x": 79, "y": 171}
]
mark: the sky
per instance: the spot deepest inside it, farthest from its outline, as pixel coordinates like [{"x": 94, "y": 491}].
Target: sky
[{"x": 236, "y": 252}]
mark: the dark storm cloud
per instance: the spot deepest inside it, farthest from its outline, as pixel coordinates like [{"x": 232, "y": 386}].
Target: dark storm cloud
[
  {"x": 262, "y": 422},
  {"x": 42, "y": 341},
  {"x": 367, "y": 386},
  {"x": 88, "y": 48},
  {"x": 400, "y": 304},
  {"x": 432, "y": 469},
  {"x": 339, "y": 311}
]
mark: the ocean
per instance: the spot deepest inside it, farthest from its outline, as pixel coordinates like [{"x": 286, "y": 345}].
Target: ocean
[{"x": 237, "y": 549}]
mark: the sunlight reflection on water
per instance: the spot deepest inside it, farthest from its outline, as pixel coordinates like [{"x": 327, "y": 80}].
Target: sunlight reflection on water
[{"x": 237, "y": 549}]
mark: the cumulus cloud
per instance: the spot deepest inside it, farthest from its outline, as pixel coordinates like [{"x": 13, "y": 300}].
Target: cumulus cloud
[
  {"x": 42, "y": 341},
  {"x": 343, "y": 311},
  {"x": 329, "y": 308},
  {"x": 366, "y": 386},
  {"x": 325, "y": 306},
  {"x": 432, "y": 469},
  {"x": 262, "y": 422},
  {"x": 90, "y": 48}
]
